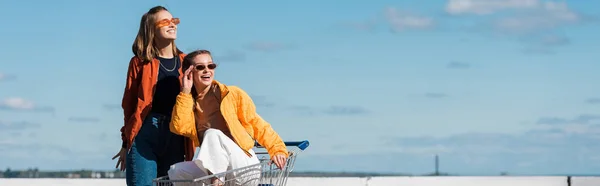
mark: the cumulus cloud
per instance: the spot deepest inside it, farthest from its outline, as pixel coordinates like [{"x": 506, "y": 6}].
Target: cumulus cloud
[
  {"x": 483, "y": 7},
  {"x": 6, "y": 77},
  {"x": 21, "y": 104},
  {"x": 394, "y": 20},
  {"x": 548, "y": 15},
  {"x": 518, "y": 16},
  {"x": 536, "y": 22},
  {"x": 402, "y": 20}
]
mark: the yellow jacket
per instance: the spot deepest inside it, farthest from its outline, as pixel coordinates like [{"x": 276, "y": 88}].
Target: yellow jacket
[{"x": 240, "y": 115}]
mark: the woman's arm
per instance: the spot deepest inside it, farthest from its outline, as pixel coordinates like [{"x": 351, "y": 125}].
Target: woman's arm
[
  {"x": 129, "y": 101},
  {"x": 182, "y": 120},
  {"x": 263, "y": 132}
]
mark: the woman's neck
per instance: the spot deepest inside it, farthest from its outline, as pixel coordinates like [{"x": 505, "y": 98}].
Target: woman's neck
[
  {"x": 202, "y": 91},
  {"x": 165, "y": 50}
]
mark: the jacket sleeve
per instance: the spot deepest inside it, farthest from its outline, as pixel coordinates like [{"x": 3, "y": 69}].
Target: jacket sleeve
[
  {"x": 182, "y": 119},
  {"x": 263, "y": 132},
  {"x": 129, "y": 101}
]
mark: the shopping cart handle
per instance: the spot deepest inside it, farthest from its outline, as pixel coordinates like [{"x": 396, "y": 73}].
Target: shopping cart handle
[{"x": 300, "y": 144}]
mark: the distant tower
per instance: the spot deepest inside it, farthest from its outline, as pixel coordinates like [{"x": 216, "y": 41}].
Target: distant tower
[{"x": 437, "y": 165}]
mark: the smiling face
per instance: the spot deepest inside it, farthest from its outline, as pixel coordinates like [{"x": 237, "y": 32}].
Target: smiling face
[
  {"x": 166, "y": 26},
  {"x": 203, "y": 69}
]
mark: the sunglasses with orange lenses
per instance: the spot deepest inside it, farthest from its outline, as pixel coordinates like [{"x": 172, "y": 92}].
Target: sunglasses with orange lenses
[
  {"x": 209, "y": 66},
  {"x": 167, "y": 22}
]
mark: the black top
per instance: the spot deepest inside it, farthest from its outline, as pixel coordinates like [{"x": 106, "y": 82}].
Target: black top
[{"x": 167, "y": 86}]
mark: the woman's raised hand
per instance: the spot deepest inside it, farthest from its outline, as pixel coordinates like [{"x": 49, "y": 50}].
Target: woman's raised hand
[{"x": 188, "y": 81}]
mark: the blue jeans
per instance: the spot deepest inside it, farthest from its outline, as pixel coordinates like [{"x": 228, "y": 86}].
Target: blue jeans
[{"x": 154, "y": 150}]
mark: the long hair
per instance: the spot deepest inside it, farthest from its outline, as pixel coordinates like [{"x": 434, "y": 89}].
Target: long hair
[
  {"x": 187, "y": 63},
  {"x": 143, "y": 46}
]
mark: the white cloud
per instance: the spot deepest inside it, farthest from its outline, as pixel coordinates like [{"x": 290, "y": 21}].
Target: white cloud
[
  {"x": 6, "y": 77},
  {"x": 548, "y": 15},
  {"x": 399, "y": 20},
  {"x": 18, "y": 103},
  {"x": 21, "y": 104},
  {"x": 522, "y": 16},
  {"x": 482, "y": 7}
]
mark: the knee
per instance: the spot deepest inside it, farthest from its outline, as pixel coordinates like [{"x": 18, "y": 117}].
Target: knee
[{"x": 175, "y": 169}]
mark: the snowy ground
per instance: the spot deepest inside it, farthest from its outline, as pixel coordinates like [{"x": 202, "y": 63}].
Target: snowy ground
[{"x": 375, "y": 181}]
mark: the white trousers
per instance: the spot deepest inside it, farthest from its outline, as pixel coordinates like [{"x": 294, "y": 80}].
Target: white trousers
[{"x": 217, "y": 154}]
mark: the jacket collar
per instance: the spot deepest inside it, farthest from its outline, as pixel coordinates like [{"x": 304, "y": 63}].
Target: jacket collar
[{"x": 222, "y": 87}]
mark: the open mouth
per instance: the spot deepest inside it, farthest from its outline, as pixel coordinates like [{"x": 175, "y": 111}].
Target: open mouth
[
  {"x": 205, "y": 77},
  {"x": 171, "y": 31}
]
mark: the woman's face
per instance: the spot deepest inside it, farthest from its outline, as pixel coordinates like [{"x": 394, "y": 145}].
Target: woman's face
[
  {"x": 203, "y": 69},
  {"x": 166, "y": 26}
]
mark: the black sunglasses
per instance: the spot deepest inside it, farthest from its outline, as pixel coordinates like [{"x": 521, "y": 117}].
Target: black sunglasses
[{"x": 202, "y": 67}]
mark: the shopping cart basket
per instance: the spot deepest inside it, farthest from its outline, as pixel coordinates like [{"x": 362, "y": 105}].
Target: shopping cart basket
[{"x": 264, "y": 173}]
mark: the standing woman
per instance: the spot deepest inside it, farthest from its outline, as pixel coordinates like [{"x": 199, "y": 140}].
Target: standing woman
[{"x": 153, "y": 83}]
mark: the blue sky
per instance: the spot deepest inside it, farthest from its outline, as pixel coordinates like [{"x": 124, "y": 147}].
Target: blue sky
[{"x": 491, "y": 86}]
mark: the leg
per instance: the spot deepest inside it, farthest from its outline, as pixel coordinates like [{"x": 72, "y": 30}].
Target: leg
[
  {"x": 218, "y": 153},
  {"x": 187, "y": 170},
  {"x": 141, "y": 160},
  {"x": 173, "y": 148},
  {"x": 249, "y": 175},
  {"x": 213, "y": 154},
  {"x": 141, "y": 165}
]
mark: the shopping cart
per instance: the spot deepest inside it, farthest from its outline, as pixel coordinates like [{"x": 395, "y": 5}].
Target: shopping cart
[{"x": 264, "y": 173}]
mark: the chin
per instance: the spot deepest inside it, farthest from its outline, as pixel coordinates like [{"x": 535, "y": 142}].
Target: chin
[
  {"x": 207, "y": 83},
  {"x": 169, "y": 36}
]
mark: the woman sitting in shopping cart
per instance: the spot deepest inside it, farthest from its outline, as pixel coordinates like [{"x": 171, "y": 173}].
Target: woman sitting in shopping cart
[{"x": 221, "y": 120}]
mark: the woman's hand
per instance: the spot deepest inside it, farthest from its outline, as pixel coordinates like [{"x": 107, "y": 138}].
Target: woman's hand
[
  {"x": 121, "y": 154},
  {"x": 188, "y": 81},
  {"x": 279, "y": 160}
]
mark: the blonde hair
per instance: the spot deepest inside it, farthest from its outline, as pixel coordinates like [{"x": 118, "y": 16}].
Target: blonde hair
[{"x": 143, "y": 46}]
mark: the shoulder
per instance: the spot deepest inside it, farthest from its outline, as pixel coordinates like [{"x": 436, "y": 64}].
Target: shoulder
[
  {"x": 237, "y": 91},
  {"x": 135, "y": 61},
  {"x": 182, "y": 55}
]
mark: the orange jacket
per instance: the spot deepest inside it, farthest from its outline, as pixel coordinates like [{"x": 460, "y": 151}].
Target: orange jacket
[
  {"x": 240, "y": 115},
  {"x": 137, "y": 99}
]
